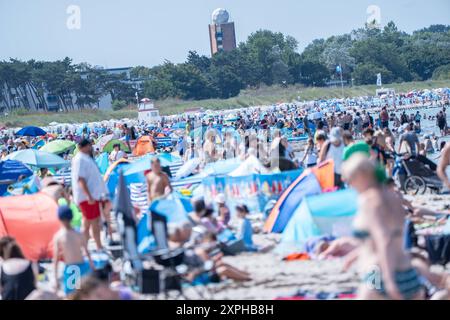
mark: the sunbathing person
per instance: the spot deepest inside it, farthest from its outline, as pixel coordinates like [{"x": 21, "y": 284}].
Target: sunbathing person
[
  {"x": 437, "y": 284},
  {"x": 204, "y": 260},
  {"x": 245, "y": 231},
  {"x": 387, "y": 269},
  {"x": 209, "y": 221}
]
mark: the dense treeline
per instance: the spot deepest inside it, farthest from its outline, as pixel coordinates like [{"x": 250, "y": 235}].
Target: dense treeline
[
  {"x": 271, "y": 58},
  {"x": 266, "y": 58}
]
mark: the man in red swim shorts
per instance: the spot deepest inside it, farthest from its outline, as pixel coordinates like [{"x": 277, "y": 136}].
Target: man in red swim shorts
[{"x": 89, "y": 190}]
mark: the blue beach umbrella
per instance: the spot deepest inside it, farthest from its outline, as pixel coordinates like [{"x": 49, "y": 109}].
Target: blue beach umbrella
[
  {"x": 38, "y": 158},
  {"x": 31, "y": 132},
  {"x": 143, "y": 165}
]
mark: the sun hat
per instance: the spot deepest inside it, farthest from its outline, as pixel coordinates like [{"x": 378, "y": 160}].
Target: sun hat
[
  {"x": 220, "y": 198},
  {"x": 335, "y": 135}
]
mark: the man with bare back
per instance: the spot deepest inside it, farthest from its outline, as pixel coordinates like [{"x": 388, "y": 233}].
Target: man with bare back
[{"x": 158, "y": 184}]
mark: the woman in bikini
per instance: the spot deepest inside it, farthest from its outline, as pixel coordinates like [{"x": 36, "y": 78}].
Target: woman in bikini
[{"x": 385, "y": 266}]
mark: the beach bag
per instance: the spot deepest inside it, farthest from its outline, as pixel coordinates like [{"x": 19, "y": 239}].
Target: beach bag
[
  {"x": 438, "y": 248},
  {"x": 233, "y": 248}
]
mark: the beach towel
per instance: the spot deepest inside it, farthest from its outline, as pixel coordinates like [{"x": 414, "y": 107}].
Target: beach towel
[{"x": 302, "y": 256}]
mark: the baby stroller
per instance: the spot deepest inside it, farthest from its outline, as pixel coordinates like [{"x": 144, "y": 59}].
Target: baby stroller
[{"x": 415, "y": 177}]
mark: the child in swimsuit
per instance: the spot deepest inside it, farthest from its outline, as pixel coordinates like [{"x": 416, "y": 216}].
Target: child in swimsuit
[{"x": 69, "y": 245}]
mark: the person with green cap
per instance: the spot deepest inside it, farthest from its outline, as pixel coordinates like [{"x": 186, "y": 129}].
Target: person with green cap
[{"x": 384, "y": 265}]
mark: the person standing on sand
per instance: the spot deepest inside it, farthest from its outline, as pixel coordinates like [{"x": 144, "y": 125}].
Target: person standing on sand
[
  {"x": 334, "y": 150},
  {"x": 89, "y": 190},
  {"x": 68, "y": 246},
  {"x": 441, "y": 122},
  {"x": 384, "y": 118},
  {"x": 158, "y": 183},
  {"x": 444, "y": 164},
  {"x": 386, "y": 267},
  {"x": 127, "y": 134}
]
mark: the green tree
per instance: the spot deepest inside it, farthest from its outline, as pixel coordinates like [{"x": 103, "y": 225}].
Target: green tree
[{"x": 367, "y": 74}]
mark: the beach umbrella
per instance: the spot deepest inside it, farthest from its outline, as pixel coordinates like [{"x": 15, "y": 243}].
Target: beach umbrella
[
  {"x": 175, "y": 209},
  {"x": 39, "y": 144},
  {"x": 59, "y": 146},
  {"x": 31, "y": 132},
  {"x": 143, "y": 165},
  {"x": 38, "y": 158},
  {"x": 110, "y": 146},
  {"x": 10, "y": 171}
]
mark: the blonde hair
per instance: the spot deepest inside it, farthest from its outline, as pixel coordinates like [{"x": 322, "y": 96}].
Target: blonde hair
[{"x": 358, "y": 163}]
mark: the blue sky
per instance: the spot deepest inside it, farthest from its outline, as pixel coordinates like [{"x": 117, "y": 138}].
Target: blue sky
[{"x": 117, "y": 33}]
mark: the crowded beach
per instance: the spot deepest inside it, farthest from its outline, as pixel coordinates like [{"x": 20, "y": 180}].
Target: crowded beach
[{"x": 303, "y": 200}]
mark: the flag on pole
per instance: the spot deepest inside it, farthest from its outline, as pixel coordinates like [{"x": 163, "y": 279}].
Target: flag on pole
[{"x": 379, "y": 84}]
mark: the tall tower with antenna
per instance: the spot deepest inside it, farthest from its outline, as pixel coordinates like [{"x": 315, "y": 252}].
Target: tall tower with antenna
[{"x": 222, "y": 34}]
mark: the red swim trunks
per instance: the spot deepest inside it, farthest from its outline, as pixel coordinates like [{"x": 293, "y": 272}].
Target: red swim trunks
[{"x": 90, "y": 211}]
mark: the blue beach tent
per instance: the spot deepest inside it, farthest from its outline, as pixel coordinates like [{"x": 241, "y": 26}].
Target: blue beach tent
[{"x": 324, "y": 214}]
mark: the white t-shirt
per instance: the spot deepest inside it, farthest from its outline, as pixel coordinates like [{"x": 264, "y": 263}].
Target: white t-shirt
[
  {"x": 336, "y": 154},
  {"x": 83, "y": 166}
]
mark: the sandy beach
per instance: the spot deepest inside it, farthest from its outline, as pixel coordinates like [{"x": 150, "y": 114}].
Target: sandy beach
[{"x": 274, "y": 278}]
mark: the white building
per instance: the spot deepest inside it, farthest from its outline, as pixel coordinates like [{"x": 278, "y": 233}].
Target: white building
[{"x": 147, "y": 112}]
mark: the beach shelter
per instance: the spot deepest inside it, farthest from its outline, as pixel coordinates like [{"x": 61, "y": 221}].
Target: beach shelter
[
  {"x": 32, "y": 220},
  {"x": 221, "y": 167},
  {"x": 59, "y": 146},
  {"x": 143, "y": 146},
  {"x": 251, "y": 165},
  {"x": 103, "y": 140},
  {"x": 31, "y": 131},
  {"x": 111, "y": 176},
  {"x": 174, "y": 208},
  {"x": 28, "y": 185},
  {"x": 325, "y": 214},
  {"x": 110, "y": 146},
  {"x": 10, "y": 171},
  {"x": 324, "y": 173},
  {"x": 169, "y": 157},
  {"x": 306, "y": 185},
  {"x": 102, "y": 162},
  {"x": 38, "y": 158},
  {"x": 311, "y": 182},
  {"x": 144, "y": 164},
  {"x": 188, "y": 168}
]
